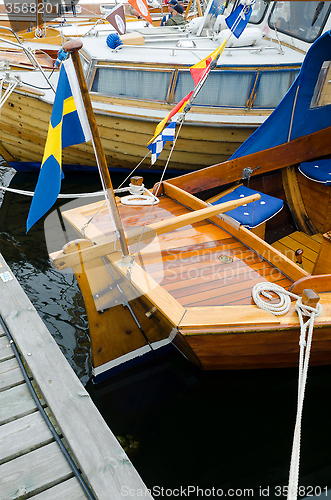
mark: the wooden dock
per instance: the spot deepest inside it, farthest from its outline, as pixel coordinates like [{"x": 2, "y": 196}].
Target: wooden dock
[{"x": 32, "y": 464}]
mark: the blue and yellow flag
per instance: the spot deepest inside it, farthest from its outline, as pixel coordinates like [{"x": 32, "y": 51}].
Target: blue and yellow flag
[{"x": 68, "y": 126}]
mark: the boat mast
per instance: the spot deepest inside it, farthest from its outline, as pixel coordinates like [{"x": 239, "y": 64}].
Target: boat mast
[
  {"x": 39, "y": 7},
  {"x": 73, "y": 47}
]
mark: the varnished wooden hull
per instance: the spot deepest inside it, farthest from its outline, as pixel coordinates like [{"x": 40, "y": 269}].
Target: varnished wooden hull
[
  {"x": 24, "y": 124},
  {"x": 258, "y": 350}
]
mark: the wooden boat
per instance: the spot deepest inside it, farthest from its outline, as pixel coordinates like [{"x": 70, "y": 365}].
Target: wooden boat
[
  {"x": 237, "y": 97},
  {"x": 189, "y": 273},
  {"x": 14, "y": 54},
  {"x": 24, "y": 16}
]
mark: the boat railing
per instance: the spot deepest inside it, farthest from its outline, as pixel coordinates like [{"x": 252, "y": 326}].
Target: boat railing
[
  {"x": 29, "y": 54},
  {"x": 250, "y": 49}
]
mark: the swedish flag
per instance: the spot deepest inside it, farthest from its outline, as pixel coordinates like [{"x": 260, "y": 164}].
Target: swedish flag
[{"x": 68, "y": 126}]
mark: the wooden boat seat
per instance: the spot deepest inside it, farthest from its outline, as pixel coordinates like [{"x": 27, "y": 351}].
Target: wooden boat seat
[
  {"x": 309, "y": 244},
  {"x": 256, "y": 213},
  {"x": 318, "y": 171}
]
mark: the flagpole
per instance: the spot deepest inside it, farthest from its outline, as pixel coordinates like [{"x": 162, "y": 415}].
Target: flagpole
[{"x": 73, "y": 48}]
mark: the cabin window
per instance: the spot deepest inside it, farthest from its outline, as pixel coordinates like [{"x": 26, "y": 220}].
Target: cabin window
[
  {"x": 322, "y": 91},
  {"x": 138, "y": 84},
  {"x": 302, "y": 20},
  {"x": 259, "y": 9},
  {"x": 63, "y": 8},
  {"x": 272, "y": 87},
  {"x": 222, "y": 88}
]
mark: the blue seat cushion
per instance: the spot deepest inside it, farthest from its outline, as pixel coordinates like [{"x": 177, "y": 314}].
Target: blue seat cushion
[
  {"x": 252, "y": 214},
  {"x": 318, "y": 170}
]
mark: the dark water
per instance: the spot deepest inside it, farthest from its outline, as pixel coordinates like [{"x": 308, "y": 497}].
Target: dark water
[{"x": 226, "y": 433}]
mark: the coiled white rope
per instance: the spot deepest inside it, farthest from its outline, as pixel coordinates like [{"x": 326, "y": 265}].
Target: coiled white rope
[
  {"x": 306, "y": 336},
  {"x": 137, "y": 196}
]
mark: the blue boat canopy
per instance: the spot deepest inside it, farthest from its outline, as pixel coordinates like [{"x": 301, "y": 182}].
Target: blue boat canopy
[{"x": 305, "y": 108}]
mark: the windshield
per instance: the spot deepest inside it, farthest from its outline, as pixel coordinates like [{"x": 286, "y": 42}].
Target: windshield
[
  {"x": 303, "y": 20},
  {"x": 258, "y": 11}
]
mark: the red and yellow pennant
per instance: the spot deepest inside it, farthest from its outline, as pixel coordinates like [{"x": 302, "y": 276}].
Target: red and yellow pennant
[
  {"x": 177, "y": 109},
  {"x": 199, "y": 70}
]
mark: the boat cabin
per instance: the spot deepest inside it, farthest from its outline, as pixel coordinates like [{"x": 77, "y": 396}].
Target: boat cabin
[{"x": 252, "y": 75}]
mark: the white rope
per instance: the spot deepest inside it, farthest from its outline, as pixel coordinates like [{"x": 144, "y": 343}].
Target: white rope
[
  {"x": 64, "y": 195},
  {"x": 306, "y": 336},
  {"x": 137, "y": 196}
]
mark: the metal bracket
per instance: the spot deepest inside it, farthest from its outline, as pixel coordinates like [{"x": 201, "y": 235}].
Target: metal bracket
[{"x": 247, "y": 172}]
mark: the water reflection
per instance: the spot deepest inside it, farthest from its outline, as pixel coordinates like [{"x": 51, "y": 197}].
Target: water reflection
[{"x": 56, "y": 296}]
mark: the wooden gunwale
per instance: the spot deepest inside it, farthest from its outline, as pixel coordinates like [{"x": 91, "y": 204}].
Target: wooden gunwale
[
  {"x": 221, "y": 319},
  {"x": 304, "y": 148},
  {"x": 172, "y": 66}
]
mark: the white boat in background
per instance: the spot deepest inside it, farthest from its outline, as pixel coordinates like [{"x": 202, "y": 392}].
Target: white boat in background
[
  {"x": 133, "y": 87},
  {"x": 26, "y": 15}
]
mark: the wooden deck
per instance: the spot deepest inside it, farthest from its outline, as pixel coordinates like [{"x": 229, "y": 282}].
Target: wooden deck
[
  {"x": 32, "y": 464},
  {"x": 200, "y": 264}
]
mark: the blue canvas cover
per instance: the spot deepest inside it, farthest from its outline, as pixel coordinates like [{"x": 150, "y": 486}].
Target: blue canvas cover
[
  {"x": 306, "y": 119},
  {"x": 255, "y": 213}
]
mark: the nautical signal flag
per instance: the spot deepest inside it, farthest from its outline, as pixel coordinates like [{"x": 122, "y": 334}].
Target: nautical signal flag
[
  {"x": 202, "y": 68},
  {"x": 116, "y": 18},
  {"x": 68, "y": 126},
  {"x": 142, "y": 8},
  {"x": 177, "y": 109},
  {"x": 156, "y": 147},
  {"x": 239, "y": 18},
  {"x": 198, "y": 72}
]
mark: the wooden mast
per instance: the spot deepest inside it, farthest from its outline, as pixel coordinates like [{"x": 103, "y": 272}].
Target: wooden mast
[{"x": 73, "y": 47}]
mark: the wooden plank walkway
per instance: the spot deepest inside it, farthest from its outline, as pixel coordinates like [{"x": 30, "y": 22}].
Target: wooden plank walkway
[{"x": 32, "y": 464}]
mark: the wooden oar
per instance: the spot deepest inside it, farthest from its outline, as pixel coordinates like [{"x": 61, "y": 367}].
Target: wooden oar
[{"x": 63, "y": 260}]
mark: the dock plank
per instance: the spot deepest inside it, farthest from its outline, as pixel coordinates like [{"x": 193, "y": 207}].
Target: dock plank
[
  {"x": 5, "y": 350},
  {"x": 10, "y": 374},
  {"x": 34, "y": 472},
  {"x": 68, "y": 490},
  {"x": 104, "y": 464},
  {"x": 15, "y": 403},
  {"x": 23, "y": 435}
]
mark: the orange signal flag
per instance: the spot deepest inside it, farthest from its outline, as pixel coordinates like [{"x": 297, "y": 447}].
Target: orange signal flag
[
  {"x": 142, "y": 8},
  {"x": 177, "y": 109},
  {"x": 199, "y": 70}
]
